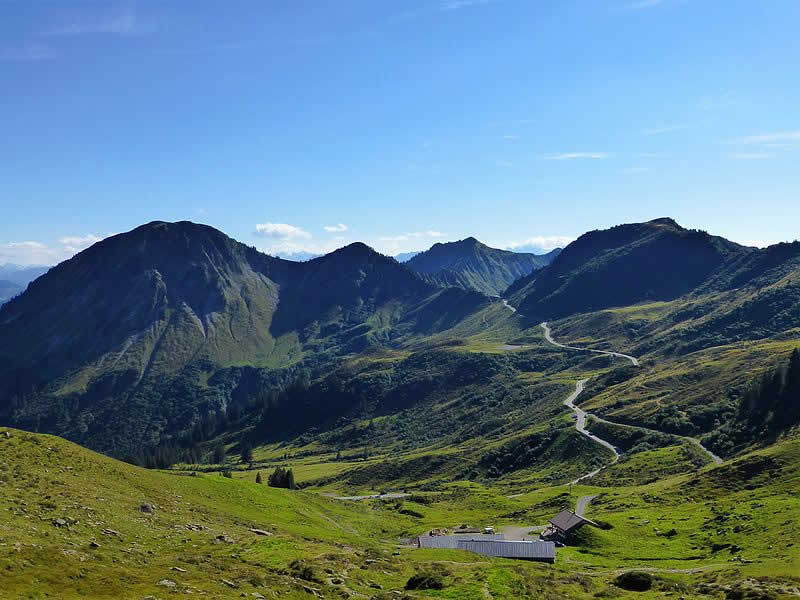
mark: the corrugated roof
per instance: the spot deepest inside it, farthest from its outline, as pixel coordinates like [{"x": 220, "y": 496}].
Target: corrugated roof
[
  {"x": 503, "y": 549},
  {"x": 567, "y": 520},
  {"x": 451, "y": 541}
]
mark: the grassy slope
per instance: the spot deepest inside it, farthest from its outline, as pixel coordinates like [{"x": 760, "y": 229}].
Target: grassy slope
[{"x": 45, "y": 478}]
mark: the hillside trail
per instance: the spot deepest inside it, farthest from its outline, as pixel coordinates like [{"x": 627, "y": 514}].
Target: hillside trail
[
  {"x": 580, "y": 415},
  {"x": 549, "y": 337}
]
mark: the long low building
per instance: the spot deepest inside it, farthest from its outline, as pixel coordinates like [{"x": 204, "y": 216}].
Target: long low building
[
  {"x": 451, "y": 541},
  {"x": 538, "y": 551}
]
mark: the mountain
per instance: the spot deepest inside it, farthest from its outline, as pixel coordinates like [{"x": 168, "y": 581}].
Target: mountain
[
  {"x": 656, "y": 260},
  {"x": 8, "y": 289},
  {"x": 711, "y": 291},
  {"x": 21, "y": 275},
  {"x": 471, "y": 265},
  {"x": 145, "y": 332},
  {"x": 300, "y": 256},
  {"x": 405, "y": 256}
]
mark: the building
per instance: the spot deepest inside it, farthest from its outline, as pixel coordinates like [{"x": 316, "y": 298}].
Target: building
[
  {"x": 563, "y": 525},
  {"x": 537, "y": 551},
  {"x": 451, "y": 541}
]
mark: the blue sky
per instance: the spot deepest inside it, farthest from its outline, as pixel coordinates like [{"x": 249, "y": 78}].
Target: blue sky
[{"x": 304, "y": 125}]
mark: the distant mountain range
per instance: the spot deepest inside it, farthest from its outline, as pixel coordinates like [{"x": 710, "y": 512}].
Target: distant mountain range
[
  {"x": 300, "y": 256},
  {"x": 405, "y": 256},
  {"x": 145, "y": 334},
  {"x": 21, "y": 275},
  {"x": 8, "y": 289},
  {"x": 470, "y": 264}
]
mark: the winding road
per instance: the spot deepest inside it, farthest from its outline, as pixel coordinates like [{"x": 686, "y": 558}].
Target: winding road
[
  {"x": 581, "y": 415},
  {"x": 580, "y": 425},
  {"x": 548, "y": 336}
]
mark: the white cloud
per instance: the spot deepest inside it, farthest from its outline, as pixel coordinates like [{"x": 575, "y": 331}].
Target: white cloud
[
  {"x": 28, "y": 53},
  {"x": 37, "y": 253},
  {"x": 121, "y": 20},
  {"x": 459, "y": 4},
  {"x": 662, "y": 130},
  {"x": 576, "y": 155},
  {"x": 542, "y": 243},
  {"x": 336, "y": 228},
  {"x": 75, "y": 244},
  {"x": 645, "y": 4},
  {"x": 750, "y": 155},
  {"x": 288, "y": 239},
  {"x": 770, "y": 138},
  {"x": 281, "y": 231},
  {"x": 503, "y": 164}
]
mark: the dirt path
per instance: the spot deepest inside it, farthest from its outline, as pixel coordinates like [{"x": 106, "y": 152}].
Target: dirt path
[
  {"x": 582, "y": 503},
  {"x": 392, "y": 496}
]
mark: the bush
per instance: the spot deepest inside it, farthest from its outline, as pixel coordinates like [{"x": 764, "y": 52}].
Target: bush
[
  {"x": 425, "y": 581},
  {"x": 303, "y": 570},
  {"x": 634, "y": 581}
]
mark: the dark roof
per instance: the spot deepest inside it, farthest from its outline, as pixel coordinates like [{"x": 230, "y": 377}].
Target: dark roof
[
  {"x": 530, "y": 550},
  {"x": 567, "y": 520},
  {"x": 452, "y": 541}
]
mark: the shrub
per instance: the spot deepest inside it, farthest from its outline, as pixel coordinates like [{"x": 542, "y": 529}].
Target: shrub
[
  {"x": 634, "y": 581},
  {"x": 425, "y": 581},
  {"x": 303, "y": 570}
]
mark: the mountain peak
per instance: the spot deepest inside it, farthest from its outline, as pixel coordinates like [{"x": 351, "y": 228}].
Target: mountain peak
[
  {"x": 356, "y": 249},
  {"x": 665, "y": 221},
  {"x": 471, "y": 264}
]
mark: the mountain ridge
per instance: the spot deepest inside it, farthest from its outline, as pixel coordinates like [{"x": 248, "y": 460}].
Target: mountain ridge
[
  {"x": 470, "y": 264},
  {"x": 113, "y": 329}
]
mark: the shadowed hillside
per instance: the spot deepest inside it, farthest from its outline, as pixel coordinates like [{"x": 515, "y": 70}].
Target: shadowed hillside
[
  {"x": 657, "y": 260},
  {"x": 471, "y": 265},
  {"x": 120, "y": 344}
]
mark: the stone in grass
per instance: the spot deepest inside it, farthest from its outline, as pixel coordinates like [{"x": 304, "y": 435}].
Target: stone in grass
[
  {"x": 223, "y": 539},
  {"x": 260, "y": 532},
  {"x": 147, "y": 508},
  {"x": 60, "y": 522},
  {"x": 634, "y": 581},
  {"x": 167, "y": 583}
]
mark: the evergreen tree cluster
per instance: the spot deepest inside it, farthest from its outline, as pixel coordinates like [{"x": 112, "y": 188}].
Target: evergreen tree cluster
[
  {"x": 769, "y": 407},
  {"x": 282, "y": 478},
  {"x": 773, "y": 403}
]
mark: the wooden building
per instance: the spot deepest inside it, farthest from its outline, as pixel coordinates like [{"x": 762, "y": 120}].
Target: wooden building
[{"x": 563, "y": 525}]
